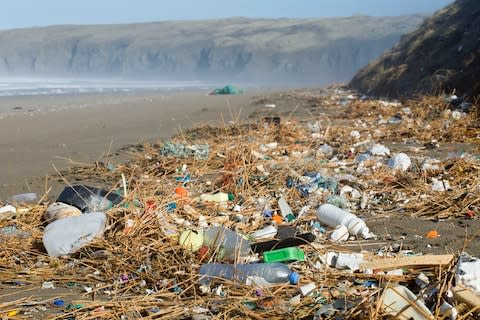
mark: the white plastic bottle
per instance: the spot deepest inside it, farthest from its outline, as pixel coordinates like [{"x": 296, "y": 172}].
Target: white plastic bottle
[
  {"x": 271, "y": 272},
  {"x": 333, "y": 216},
  {"x": 265, "y": 233},
  {"x": 285, "y": 209},
  {"x": 228, "y": 244}
]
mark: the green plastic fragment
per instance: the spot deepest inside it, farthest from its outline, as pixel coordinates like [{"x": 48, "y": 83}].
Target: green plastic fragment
[
  {"x": 285, "y": 254},
  {"x": 290, "y": 217},
  {"x": 250, "y": 305},
  {"x": 75, "y": 306}
]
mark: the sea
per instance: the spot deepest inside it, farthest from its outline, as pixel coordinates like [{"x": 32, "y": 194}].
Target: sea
[
  {"x": 21, "y": 96},
  {"x": 64, "y": 86}
]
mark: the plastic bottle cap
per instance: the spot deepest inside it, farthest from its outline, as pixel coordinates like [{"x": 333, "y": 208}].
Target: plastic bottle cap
[
  {"x": 366, "y": 233},
  {"x": 290, "y": 217},
  {"x": 293, "y": 278},
  {"x": 181, "y": 192},
  {"x": 58, "y": 302},
  {"x": 191, "y": 240},
  {"x": 277, "y": 219}
]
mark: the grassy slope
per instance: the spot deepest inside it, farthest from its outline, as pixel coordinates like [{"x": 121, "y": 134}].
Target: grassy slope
[{"x": 443, "y": 55}]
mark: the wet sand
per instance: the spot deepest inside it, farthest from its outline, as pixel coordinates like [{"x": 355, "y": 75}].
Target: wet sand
[{"x": 39, "y": 132}]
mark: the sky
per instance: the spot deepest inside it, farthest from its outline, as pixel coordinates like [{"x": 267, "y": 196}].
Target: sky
[{"x": 29, "y": 13}]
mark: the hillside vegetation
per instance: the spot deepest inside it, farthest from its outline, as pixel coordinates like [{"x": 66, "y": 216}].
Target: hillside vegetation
[
  {"x": 279, "y": 50},
  {"x": 443, "y": 55}
]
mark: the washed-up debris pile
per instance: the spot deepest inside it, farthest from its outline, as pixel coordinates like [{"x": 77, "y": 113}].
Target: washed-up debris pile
[{"x": 257, "y": 220}]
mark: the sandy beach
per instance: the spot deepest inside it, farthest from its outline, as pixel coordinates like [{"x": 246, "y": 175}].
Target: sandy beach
[
  {"x": 39, "y": 132},
  {"x": 74, "y": 131}
]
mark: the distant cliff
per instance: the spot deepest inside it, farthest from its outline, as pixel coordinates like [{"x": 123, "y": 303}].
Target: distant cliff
[
  {"x": 278, "y": 50},
  {"x": 443, "y": 55}
]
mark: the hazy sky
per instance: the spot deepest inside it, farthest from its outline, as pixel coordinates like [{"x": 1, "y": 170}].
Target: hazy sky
[{"x": 26, "y": 13}]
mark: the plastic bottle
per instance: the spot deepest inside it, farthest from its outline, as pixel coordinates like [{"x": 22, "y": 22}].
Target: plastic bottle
[
  {"x": 265, "y": 233},
  {"x": 271, "y": 272},
  {"x": 13, "y": 232},
  {"x": 23, "y": 198},
  {"x": 333, "y": 216},
  {"x": 226, "y": 243},
  {"x": 285, "y": 209}
]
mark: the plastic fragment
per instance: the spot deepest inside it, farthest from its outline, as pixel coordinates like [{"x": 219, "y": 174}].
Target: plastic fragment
[
  {"x": 400, "y": 161},
  {"x": 432, "y": 234}
]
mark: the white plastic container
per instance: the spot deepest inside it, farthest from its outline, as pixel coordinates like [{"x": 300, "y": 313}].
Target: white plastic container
[
  {"x": 307, "y": 288},
  {"x": 265, "y": 233},
  {"x": 67, "y": 235},
  {"x": 403, "y": 304},
  {"x": 468, "y": 273},
  {"x": 7, "y": 211},
  {"x": 333, "y": 216},
  {"x": 342, "y": 260}
]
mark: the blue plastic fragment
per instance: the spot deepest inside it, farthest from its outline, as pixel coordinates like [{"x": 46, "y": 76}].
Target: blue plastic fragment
[
  {"x": 290, "y": 182},
  {"x": 58, "y": 302},
  {"x": 267, "y": 213},
  {"x": 184, "y": 179},
  {"x": 171, "y": 207}
]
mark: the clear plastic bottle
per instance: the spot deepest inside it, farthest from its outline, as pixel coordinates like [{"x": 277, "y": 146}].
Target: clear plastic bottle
[
  {"x": 333, "y": 216},
  {"x": 271, "y": 272},
  {"x": 24, "y": 198},
  {"x": 227, "y": 243}
]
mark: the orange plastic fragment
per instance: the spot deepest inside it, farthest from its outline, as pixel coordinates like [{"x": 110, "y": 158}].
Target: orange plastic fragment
[
  {"x": 277, "y": 219},
  {"x": 432, "y": 234},
  {"x": 181, "y": 192}
]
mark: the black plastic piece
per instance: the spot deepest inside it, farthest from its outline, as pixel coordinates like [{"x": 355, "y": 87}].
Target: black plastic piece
[
  {"x": 79, "y": 196},
  {"x": 305, "y": 238}
]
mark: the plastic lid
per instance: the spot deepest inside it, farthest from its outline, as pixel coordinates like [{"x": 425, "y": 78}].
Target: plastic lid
[
  {"x": 290, "y": 217},
  {"x": 293, "y": 278}
]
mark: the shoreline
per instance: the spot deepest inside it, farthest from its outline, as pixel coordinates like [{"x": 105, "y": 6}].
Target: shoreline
[{"x": 84, "y": 128}]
